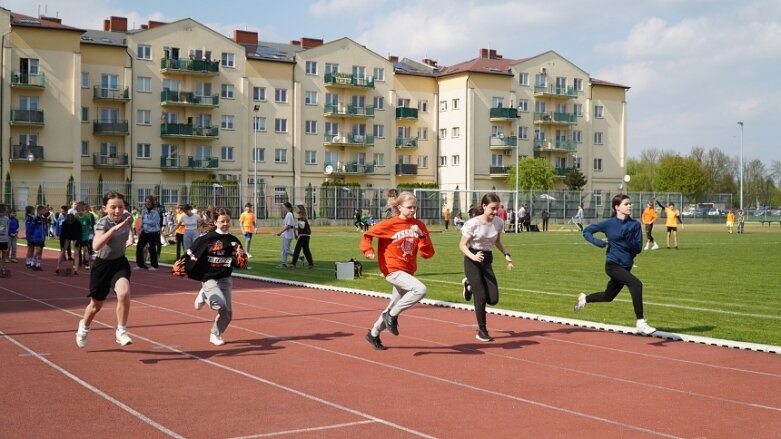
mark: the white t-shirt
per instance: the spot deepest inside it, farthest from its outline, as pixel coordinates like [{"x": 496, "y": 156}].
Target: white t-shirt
[
  {"x": 190, "y": 222},
  {"x": 290, "y": 233},
  {"x": 483, "y": 236}
]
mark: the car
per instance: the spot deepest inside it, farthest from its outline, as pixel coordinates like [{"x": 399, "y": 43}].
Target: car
[
  {"x": 776, "y": 211},
  {"x": 761, "y": 211}
]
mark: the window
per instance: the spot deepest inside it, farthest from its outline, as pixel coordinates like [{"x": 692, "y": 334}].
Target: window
[
  {"x": 280, "y": 95},
  {"x": 456, "y": 104},
  {"x": 280, "y": 125},
  {"x": 523, "y": 133},
  {"x": 599, "y": 111},
  {"x": 228, "y": 59},
  {"x": 403, "y": 103},
  {"x": 170, "y": 151},
  {"x": 144, "y": 117},
  {"x": 108, "y": 115},
  {"x": 576, "y": 162},
  {"x": 523, "y": 78},
  {"x": 310, "y": 98},
  {"x": 331, "y": 68},
  {"x": 443, "y": 133},
  {"x": 378, "y": 131},
  {"x": 227, "y": 91},
  {"x": 310, "y": 127},
  {"x": 379, "y": 159},
  {"x": 332, "y": 128},
  {"x": 423, "y": 161},
  {"x": 597, "y": 165},
  {"x": 226, "y": 122},
  {"x": 85, "y": 114},
  {"x": 280, "y": 155},
  {"x": 84, "y": 148},
  {"x": 144, "y": 51},
  {"x": 143, "y": 151},
  {"x": 423, "y": 106},
  {"x": 31, "y": 66},
  {"x": 259, "y": 154},
  {"x": 598, "y": 197},
  {"x": 539, "y": 80},
  {"x": 577, "y": 109},
  {"x": 422, "y": 133},
  {"x": 359, "y": 72},
  {"x": 84, "y": 80},
  {"x": 497, "y": 102},
  {"x": 443, "y": 160},
  {"x": 598, "y": 138},
  {"x": 259, "y": 94},
  {"x": 456, "y": 131},
  {"x": 144, "y": 84},
  {"x": 578, "y": 83},
  {"x": 379, "y": 103},
  {"x": 310, "y": 157},
  {"x": 577, "y": 136},
  {"x": 442, "y": 105},
  {"x": 226, "y": 152},
  {"x": 331, "y": 157},
  {"x": 311, "y": 67},
  {"x": 169, "y": 196},
  {"x": 523, "y": 105},
  {"x": 456, "y": 160},
  {"x": 280, "y": 194},
  {"x": 497, "y": 161},
  {"x": 259, "y": 123},
  {"x": 379, "y": 74}
]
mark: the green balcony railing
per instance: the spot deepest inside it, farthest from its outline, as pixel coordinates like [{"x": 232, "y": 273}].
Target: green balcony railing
[
  {"x": 188, "y": 98},
  {"x": 354, "y": 168},
  {"x": 28, "y": 80},
  {"x": 406, "y": 142},
  {"x": 348, "y": 80},
  {"x": 110, "y": 161},
  {"x": 26, "y": 117},
  {"x": 192, "y": 66},
  {"x": 118, "y": 128},
  {"x": 109, "y": 94},
  {"x": 555, "y": 145},
  {"x": 188, "y": 130},
  {"x": 189, "y": 163},
  {"x": 406, "y": 169},
  {"x": 26, "y": 153},
  {"x": 406, "y": 113},
  {"x": 502, "y": 141},
  {"x": 503, "y": 113},
  {"x": 360, "y": 140},
  {"x": 556, "y": 118},
  {"x": 556, "y": 92}
]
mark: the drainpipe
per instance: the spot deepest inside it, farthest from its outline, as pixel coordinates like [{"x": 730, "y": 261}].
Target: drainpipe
[
  {"x": 130, "y": 116},
  {"x": 2, "y": 116}
]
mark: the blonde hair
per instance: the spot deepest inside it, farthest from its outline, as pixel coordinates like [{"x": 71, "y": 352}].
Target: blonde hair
[{"x": 396, "y": 201}]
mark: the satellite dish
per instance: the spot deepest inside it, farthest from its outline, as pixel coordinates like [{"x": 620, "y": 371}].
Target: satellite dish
[
  {"x": 329, "y": 169},
  {"x": 627, "y": 178},
  {"x": 336, "y": 139}
]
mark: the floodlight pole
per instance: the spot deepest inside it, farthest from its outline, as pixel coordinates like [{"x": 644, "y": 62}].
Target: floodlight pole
[
  {"x": 740, "y": 124},
  {"x": 517, "y": 172}
]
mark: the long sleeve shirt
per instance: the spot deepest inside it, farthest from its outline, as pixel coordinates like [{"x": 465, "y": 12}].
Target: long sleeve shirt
[
  {"x": 624, "y": 239},
  {"x": 398, "y": 244}
]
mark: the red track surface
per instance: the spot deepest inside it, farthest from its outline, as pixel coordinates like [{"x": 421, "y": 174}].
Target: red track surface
[{"x": 296, "y": 364}]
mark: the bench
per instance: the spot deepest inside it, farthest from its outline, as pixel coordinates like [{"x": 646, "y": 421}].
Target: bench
[{"x": 765, "y": 219}]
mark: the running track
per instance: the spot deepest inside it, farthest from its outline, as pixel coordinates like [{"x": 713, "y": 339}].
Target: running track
[{"x": 296, "y": 365}]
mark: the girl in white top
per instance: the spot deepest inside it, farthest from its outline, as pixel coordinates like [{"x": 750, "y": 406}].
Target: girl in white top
[
  {"x": 190, "y": 221},
  {"x": 479, "y": 236}
]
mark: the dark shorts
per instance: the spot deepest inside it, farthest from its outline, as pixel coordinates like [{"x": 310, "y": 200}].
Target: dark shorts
[
  {"x": 33, "y": 244},
  {"x": 672, "y": 229},
  {"x": 3, "y": 246},
  {"x": 82, "y": 243},
  {"x": 104, "y": 276}
]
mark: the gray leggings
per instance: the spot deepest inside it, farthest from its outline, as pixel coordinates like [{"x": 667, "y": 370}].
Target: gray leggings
[
  {"x": 218, "y": 296},
  {"x": 407, "y": 291}
]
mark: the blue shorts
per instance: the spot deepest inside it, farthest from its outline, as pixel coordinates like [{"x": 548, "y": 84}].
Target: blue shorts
[{"x": 248, "y": 235}]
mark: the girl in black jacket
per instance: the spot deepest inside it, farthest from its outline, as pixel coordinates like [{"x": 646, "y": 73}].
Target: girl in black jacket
[{"x": 303, "y": 232}]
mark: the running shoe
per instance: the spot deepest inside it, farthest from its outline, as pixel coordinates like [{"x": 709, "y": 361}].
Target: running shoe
[
  {"x": 644, "y": 328},
  {"x": 482, "y": 335},
  {"x": 375, "y": 341},
  {"x": 81, "y": 334},
  {"x": 122, "y": 337},
  {"x": 391, "y": 322},
  {"x": 216, "y": 340},
  {"x": 581, "y": 302}
]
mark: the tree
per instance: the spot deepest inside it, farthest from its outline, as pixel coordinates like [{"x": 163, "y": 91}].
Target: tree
[
  {"x": 575, "y": 180},
  {"x": 679, "y": 174},
  {"x": 534, "y": 174}
]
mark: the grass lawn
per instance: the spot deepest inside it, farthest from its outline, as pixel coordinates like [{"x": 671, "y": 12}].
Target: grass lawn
[{"x": 716, "y": 285}]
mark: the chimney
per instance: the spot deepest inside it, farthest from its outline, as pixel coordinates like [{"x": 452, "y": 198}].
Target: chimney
[
  {"x": 393, "y": 58},
  {"x": 153, "y": 24},
  {"x": 118, "y": 24},
  {"x": 484, "y": 53},
  {"x": 295, "y": 43},
  {"x": 245, "y": 37},
  {"x": 308, "y": 43},
  {"x": 106, "y": 24},
  {"x": 52, "y": 19},
  {"x": 430, "y": 62}
]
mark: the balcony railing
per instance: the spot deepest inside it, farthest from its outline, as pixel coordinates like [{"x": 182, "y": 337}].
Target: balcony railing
[
  {"x": 406, "y": 142},
  {"x": 28, "y": 80},
  {"x": 353, "y": 168},
  {"x": 119, "y": 128},
  {"x": 27, "y": 117},
  {"x": 555, "y": 118},
  {"x": 555, "y": 145},
  {"x": 406, "y": 169},
  {"x": 349, "y": 111},
  {"x": 190, "y": 66},
  {"x": 188, "y": 98},
  {"x": 406, "y": 113},
  {"x": 562, "y": 172},
  {"x": 26, "y": 153},
  {"x": 499, "y": 171},
  {"x": 189, "y": 163},
  {"x": 503, "y": 141},
  {"x": 348, "y": 80},
  {"x": 555, "y": 92},
  {"x": 503, "y": 113},
  {"x": 109, "y": 94},
  {"x": 110, "y": 161},
  {"x": 188, "y": 130}
]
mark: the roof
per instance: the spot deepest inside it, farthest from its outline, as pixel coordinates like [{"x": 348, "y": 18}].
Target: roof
[
  {"x": 104, "y": 38},
  {"x": 499, "y": 66},
  {"x": 22, "y": 20},
  {"x": 410, "y": 67},
  {"x": 267, "y": 51},
  {"x": 595, "y": 81}
]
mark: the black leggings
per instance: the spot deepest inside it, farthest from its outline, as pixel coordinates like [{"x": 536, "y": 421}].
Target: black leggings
[
  {"x": 179, "y": 244},
  {"x": 482, "y": 282},
  {"x": 620, "y": 276},
  {"x": 302, "y": 244},
  {"x": 649, "y": 228}
]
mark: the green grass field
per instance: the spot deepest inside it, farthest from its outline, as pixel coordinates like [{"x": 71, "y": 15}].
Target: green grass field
[{"x": 716, "y": 285}]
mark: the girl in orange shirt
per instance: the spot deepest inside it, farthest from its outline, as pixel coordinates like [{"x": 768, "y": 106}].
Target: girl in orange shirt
[
  {"x": 649, "y": 217},
  {"x": 399, "y": 238}
]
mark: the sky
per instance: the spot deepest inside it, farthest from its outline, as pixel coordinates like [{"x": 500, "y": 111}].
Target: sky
[{"x": 695, "y": 68}]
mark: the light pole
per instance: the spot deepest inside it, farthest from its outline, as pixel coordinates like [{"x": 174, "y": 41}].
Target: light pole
[
  {"x": 517, "y": 172},
  {"x": 740, "y": 124},
  {"x": 255, "y": 162}
]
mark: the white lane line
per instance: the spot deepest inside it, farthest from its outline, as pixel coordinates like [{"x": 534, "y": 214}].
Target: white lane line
[
  {"x": 140, "y": 416},
  {"x": 305, "y": 430}
]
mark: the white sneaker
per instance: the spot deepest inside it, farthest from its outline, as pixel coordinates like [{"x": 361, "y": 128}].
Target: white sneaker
[
  {"x": 581, "y": 302},
  {"x": 655, "y": 247},
  {"x": 152, "y": 269},
  {"x": 644, "y": 328},
  {"x": 216, "y": 340},
  {"x": 81, "y": 334},
  {"x": 199, "y": 301},
  {"x": 249, "y": 255},
  {"x": 646, "y": 246},
  {"x": 122, "y": 338}
]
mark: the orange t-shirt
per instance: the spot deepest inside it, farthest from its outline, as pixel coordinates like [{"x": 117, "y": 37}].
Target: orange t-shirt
[
  {"x": 649, "y": 215},
  {"x": 247, "y": 221},
  {"x": 398, "y": 244},
  {"x": 447, "y": 215}
]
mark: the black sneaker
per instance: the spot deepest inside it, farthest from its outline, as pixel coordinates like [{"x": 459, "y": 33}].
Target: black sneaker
[
  {"x": 482, "y": 335},
  {"x": 391, "y": 322},
  {"x": 466, "y": 292},
  {"x": 375, "y": 341}
]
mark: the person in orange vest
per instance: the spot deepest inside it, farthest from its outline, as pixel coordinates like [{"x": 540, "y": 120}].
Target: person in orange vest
[{"x": 649, "y": 217}]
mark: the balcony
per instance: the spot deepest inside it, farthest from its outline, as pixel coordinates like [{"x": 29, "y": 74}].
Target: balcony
[
  {"x": 119, "y": 128},
  {"x": 555, "y": 119},
  {"x": 349, "y": 111},
  {"x": 406, "y": 169},
  {"x": 406, "y": 142},
  {"x": 27, "y": 117},
  {"x": 555, "y": 145},
  {"x": 500, "y": 114},
  {"x": 188, "y": 131},
  {"x": 189, "y": 163},
  {"x": 407, "y": 113},
  {"x": 110, "y": 161},
  {"x": 352, "y": 168},
  {"x": 187, "y": 99},
  {"x": 552, "y": 91},
  {"x": 562, "y": 172},
  {"x": 499, "y": 171},
  {"x": 346, "y": 80},
  {"x": 190, "y": 66},
  {"x": 502, "y": 142},
  {"x": 26, "y": 153},
  {"x": 109, "y": 94},
  {"x": 28, "y": 80}
]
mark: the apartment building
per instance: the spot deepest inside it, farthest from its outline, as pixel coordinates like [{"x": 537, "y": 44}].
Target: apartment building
[{"x": 172, "y": 103}]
